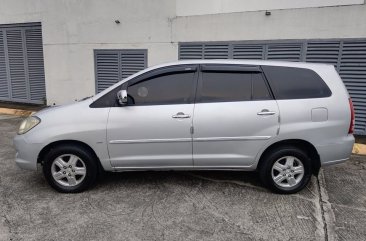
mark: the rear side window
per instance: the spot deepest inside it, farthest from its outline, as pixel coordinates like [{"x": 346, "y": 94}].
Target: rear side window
[
  {"x": 295, "y": 83},
  {"x": 233, "y": 86},
  {"x": 220, "y": 87}
]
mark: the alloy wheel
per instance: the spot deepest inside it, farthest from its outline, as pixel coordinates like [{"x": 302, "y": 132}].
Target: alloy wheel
[
  {"x": 287, "y": 172},
  {"x": 68, "y": 170}
]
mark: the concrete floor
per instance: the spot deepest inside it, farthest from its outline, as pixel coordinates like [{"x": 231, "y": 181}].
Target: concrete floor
[{"x": 179, "y": 205}]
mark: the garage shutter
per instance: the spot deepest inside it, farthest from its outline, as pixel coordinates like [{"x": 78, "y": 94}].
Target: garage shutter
[
  {"x": 21, "y": 63},
  {"x": 112, "y": 66},
  {"x": 347, "y": 56}
]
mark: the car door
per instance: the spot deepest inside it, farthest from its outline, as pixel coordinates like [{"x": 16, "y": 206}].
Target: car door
[
  {"x": 234, "y": 116},
  {"x": 154, "y": 129}
]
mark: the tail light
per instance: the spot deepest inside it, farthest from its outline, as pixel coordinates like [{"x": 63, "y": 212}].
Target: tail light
[{"x": 352, "y": 124}]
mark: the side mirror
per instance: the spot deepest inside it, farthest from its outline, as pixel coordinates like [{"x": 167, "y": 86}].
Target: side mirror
[{"x": 122, "y": 97}]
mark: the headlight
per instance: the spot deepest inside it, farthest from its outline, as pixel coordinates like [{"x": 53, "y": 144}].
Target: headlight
[{"x": 28, "y": 124}]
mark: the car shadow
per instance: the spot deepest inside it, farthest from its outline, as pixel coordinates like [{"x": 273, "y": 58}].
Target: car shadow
[{"x": 241, "y": 178}]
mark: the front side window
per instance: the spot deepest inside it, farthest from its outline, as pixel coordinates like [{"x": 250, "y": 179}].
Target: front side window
[{"x": 167, "y": 88}]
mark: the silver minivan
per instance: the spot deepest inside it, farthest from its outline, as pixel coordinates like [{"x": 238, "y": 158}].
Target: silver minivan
[{"x": 284, "y": 120}]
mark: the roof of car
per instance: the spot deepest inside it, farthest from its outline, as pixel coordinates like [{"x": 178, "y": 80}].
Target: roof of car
[{"x": 244, "y": 62}]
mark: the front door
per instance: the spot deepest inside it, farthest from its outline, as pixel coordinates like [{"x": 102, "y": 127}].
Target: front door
[
  {"x": 154, "y": 129},
  {"x": 235, "y": 115}
]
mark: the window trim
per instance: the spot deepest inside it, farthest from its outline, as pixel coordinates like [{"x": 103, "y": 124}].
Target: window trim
[
  {"x": 230, "y": 68},
  {"x": 242, "y": 69}
]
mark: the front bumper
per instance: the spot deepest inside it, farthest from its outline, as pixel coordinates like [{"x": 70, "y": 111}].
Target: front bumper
[{"x": 26, "y": 153}]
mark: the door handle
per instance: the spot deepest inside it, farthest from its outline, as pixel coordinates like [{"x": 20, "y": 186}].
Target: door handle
[
  {"x": 181, "y": 115},
  {"x": 266, "y": 112}
]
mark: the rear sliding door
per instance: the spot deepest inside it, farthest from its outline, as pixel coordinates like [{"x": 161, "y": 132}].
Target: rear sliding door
[{"x": 234, "y": 116}]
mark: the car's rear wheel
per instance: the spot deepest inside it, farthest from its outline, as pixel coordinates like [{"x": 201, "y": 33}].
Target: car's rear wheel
[
  {"x": 286, "y": 169},
  {"x": 70, "y": 168}
]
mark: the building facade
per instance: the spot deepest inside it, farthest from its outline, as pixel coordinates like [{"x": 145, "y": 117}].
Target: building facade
[{"x": 59, "y": 51}]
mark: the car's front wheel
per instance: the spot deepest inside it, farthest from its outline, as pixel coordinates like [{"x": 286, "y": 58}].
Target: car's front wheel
[
  {"x": 286, "y": 169},
  {"x": 70, "y": 168}
]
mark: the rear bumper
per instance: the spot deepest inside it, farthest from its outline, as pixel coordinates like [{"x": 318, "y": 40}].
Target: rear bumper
[
  {"x": 26, "y": 153},
  {"x": 337, "y": 151}
]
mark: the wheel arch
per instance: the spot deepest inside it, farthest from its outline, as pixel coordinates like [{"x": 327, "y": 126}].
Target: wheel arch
[
  {"x": 51, "y": 145},
  {"x": 301, "y": 144}
]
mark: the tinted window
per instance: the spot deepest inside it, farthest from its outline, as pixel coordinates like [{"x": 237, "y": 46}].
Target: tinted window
[
  {"x": 295, "y": 83},
  {"x": 260, "y": 89},
  {"x": 171, "y": 88},
  {"x": 219, "y": 87}
]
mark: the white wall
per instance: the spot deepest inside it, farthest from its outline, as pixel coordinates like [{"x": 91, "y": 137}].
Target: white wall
[
  {"x": 201, "y": 7},
  {"x": 72, "y": 29},
  {"x": 309, "y": 23}
]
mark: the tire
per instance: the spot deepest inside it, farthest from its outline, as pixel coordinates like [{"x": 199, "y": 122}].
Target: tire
[
  {"x": 70, "y": 168},
  {"x": 276, "y": 166}
]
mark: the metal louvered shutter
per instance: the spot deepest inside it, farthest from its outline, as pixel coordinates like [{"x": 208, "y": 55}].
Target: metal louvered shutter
[
  {"x": 248, "y": 51},
  {"x": 352, "y": 69},
  {"x": 111, "y": 66},
  {"x": 204, "y": 51},
  {"x": 107, "y": 69},
  {"x": 132, "y": 62},
  {"x": 4, "y": 87},
  {"x": 216, "y": 51},
  {"x": 36, "y": 76},
  {"x": 323, "y": 52},
  {"x": 191, "y": 51},
  {"x": 22, "y": 76},
  {"x": 17, "y": 65},
  {"x": 284, "y": 52}
]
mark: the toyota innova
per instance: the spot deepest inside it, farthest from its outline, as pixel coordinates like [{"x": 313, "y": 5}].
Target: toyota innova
[{"x": 284, "y": 120}]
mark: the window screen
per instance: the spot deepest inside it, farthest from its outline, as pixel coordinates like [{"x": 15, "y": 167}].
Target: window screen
[{"x": 295, "y": 83}]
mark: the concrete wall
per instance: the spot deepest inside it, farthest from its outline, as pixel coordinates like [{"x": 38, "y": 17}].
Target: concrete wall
[
  {"x": 309, "y": 23},
  {"x": 72, "y": 29},
  {"x": 201, "y": 7}
]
